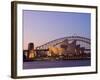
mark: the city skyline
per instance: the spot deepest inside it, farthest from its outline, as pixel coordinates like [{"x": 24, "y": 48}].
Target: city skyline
[{"x": 44, "y": 26}]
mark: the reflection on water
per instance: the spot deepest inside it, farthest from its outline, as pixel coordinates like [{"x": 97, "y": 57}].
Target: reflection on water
[{"x": 56, "y": 63}]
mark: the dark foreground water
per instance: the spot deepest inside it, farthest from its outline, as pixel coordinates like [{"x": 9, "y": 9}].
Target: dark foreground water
[{"x": 54, "y": 64}]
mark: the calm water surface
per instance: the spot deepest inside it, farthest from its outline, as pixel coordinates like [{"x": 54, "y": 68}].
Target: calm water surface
[{"x": 54, "y": 64}]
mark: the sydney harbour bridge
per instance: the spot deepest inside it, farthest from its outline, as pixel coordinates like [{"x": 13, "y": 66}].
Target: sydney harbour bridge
[
  {"x": 71, "y": 47},
  {"x": 59, "y": 41}
]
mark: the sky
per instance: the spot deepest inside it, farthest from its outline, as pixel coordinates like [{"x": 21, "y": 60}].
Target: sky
[{"x": 41, "y": 27}]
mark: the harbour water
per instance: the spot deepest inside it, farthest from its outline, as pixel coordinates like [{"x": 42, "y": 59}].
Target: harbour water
[{"x": 56, "y": 64}]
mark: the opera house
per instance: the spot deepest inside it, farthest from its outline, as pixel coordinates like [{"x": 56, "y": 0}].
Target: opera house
[{"x": 63, "y": 51}]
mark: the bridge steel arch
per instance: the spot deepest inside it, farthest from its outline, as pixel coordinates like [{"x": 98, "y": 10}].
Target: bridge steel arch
[{"x": 60, "y": 40}]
